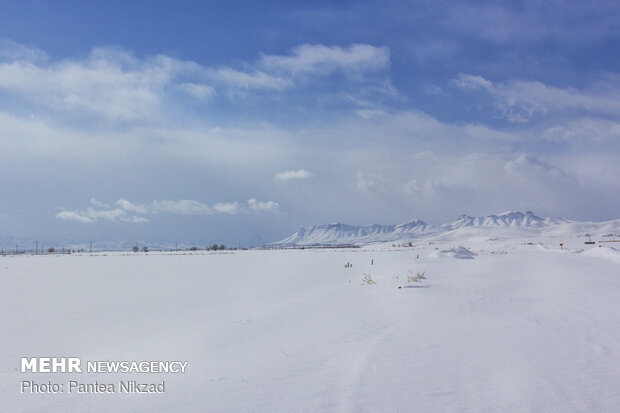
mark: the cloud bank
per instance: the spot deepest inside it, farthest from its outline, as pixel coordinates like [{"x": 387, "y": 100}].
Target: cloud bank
[
  {"x": 100, "y": 211},
  {"x": 293, "y": 174}
]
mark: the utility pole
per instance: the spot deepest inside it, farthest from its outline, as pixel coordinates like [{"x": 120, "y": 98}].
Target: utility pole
[
  {"x": 91, "y": 247},
  {"x": 37, "y": 249}
]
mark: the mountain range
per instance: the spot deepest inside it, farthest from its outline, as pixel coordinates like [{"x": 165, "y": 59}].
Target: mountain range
[{"x": 342, "y": 234}]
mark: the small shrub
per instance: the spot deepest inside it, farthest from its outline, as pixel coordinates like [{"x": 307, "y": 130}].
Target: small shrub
[
  {"x": 368, "y": 279},
  {"x": 416, "y": 278}
]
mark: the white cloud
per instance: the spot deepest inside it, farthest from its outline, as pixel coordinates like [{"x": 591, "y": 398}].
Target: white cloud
[
  {"x": 11, "y": 51},
  {"x": 293, "y": 174},
  {"x": 527, "y": 168},
  {"x": 585, "y": 132},
  {"x": 432, "y": 89},
  {"x": 411, "y": 187},
  {"x": 431, "y": 187},
  {"x": 249, "y": 80},
  {"x": 130, "y": 206},
  {"x": 489, "y": 182},
  {"x": 231, "y": 208},
  {"x": 268, "y": 206},
  {"x": 519, "y": 100},
  {"x": 91, "y": 215},
  {"x": 182, "y": 207},
  {"x": 371, "y": 113},
  {"x": 113, "y": 84},
  {"x": 98, "y": 204},
  {"x": 471, "y": 82},
  {"x": 369, "y": 182},
  {"x": 109, "y": 83},
  {"x": 102, "y": 211},
  {"x": 73, "y": 216},
  {"x": 136, "y": 220},
  {"x": 320, "y": 59},
  {"x": 198, "y": 91}
]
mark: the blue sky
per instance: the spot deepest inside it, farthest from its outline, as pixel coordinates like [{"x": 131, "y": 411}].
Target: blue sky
[{"x": 242, "y": 121}]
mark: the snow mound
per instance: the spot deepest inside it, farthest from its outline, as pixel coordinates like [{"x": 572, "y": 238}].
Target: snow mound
[
  {"x": 604, "y": 252},
  {"x": 459, "y": 252}
]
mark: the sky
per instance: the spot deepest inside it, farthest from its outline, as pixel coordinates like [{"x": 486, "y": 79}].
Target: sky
[{"x": 240, "y": 122}]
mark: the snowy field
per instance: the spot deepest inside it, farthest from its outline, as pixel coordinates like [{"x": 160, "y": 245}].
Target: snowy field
[{"x": 495, "y": 326}]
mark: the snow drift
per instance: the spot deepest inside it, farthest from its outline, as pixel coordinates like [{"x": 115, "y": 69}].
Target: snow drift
[{"x": 459, "y": 252}]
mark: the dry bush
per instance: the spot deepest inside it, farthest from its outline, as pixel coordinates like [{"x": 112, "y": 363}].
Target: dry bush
[
  {"x": 368, "y": 279},
  {"x": 416, "y": 278}
]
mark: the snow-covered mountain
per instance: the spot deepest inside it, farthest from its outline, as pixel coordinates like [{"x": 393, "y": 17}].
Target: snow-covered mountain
[
  {"x": 342, "y": 234},
  {"x": 506, "y": 219}
]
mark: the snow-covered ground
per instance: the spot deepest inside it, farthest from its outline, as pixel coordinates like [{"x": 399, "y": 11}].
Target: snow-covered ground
[{"x": 499, "y": 324}]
